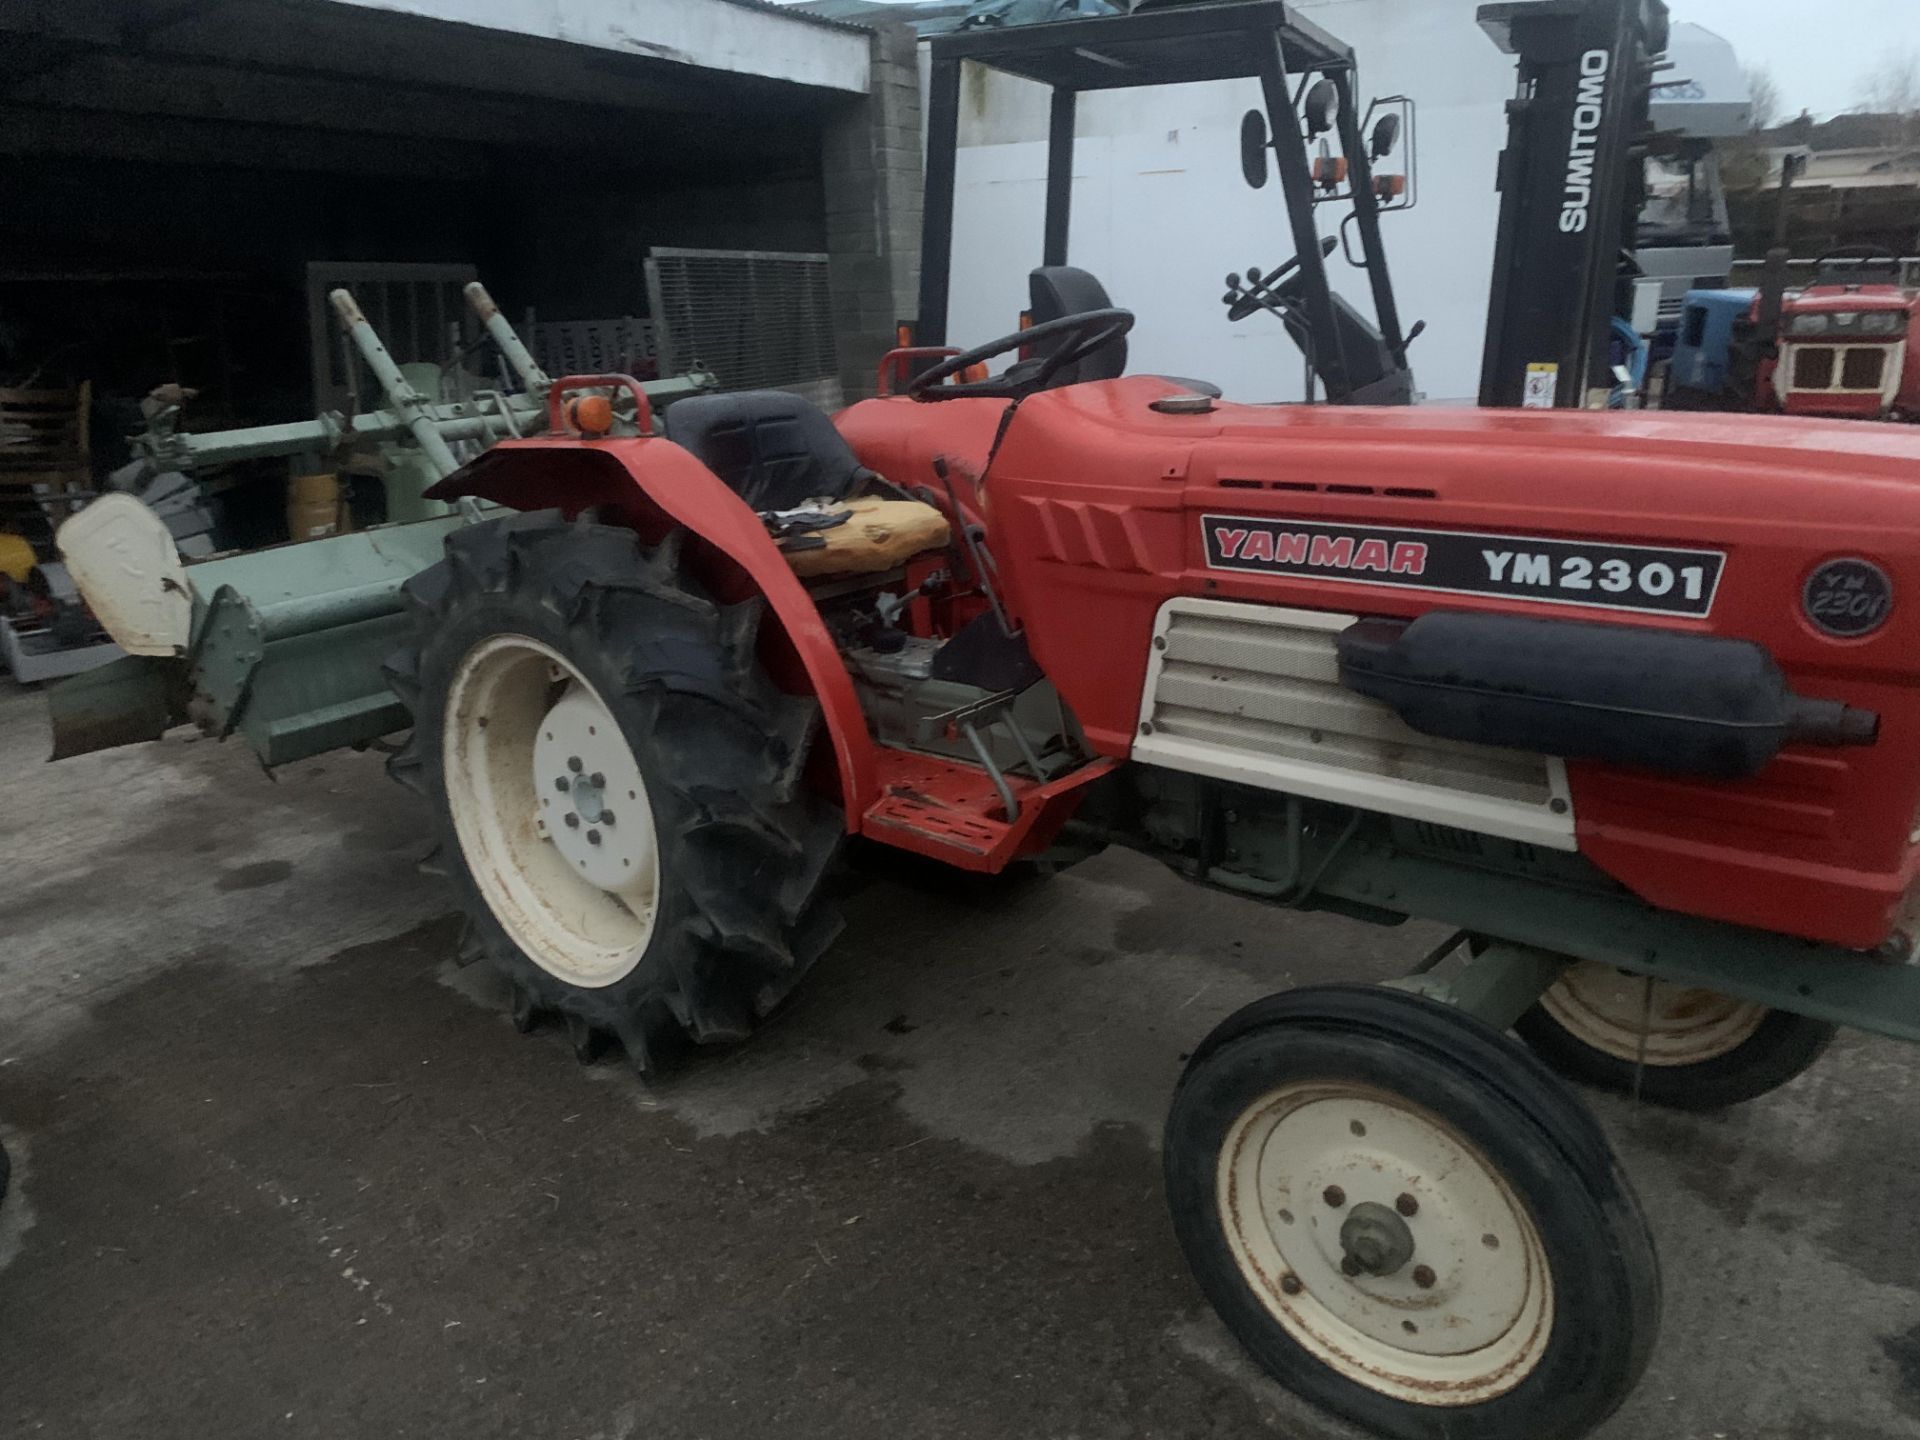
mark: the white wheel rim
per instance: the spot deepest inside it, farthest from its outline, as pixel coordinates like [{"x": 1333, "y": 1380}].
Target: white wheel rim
[
  {"x": 1463, "y": 1318},
  {"x": 1606, "y": 1009},
  {"x": 535, "y": 764}
]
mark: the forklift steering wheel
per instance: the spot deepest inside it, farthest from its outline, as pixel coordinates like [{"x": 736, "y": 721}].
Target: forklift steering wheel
[
  {"x": 1084, "y": 334},
  {"x": 1259, "y": 293}
]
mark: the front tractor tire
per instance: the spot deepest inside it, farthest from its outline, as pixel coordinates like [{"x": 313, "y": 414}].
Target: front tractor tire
[
  {"x": 616, "y": 785},
  {"x": 1672, "y": 1045},
  {"x": 1407, "y": 1220}
]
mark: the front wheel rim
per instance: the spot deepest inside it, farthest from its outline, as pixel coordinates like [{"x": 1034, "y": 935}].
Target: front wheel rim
[
  {"x": 1314, "y": 1173},
  {"x": 551, "y": 810},
  {"x": 1608, "y": 1010}
]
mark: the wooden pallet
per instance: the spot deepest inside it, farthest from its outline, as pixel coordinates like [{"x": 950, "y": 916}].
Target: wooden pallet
[{"x": 46, "y": 469}]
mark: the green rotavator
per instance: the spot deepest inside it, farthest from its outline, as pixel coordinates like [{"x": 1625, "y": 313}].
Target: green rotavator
[{"x": 283, "y": 646}]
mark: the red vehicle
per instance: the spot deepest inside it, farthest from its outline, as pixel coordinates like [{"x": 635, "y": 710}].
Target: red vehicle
[
  {"x": 1629, "y": 702},
  {"x": 1846, "y": 345}
]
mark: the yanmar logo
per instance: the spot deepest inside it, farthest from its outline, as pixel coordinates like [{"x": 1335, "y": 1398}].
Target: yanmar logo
[
  {"x": 1589, "y": 110},
  {"x": 1320, "y": 552},
  {"x": 1604, "y": 574}
]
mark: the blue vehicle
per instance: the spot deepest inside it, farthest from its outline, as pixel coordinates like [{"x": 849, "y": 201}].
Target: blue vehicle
[{"x": 1702, "y": 372}]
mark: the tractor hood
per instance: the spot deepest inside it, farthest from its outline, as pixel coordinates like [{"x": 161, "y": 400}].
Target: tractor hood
[
  {"x": 1101, "y": 508},
  {"x": 1629, "y": 474},
  {"x": 1801, "y": 537}
]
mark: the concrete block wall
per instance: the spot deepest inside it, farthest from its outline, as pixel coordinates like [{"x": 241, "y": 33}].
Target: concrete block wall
[{"x": 870, "y": 163}]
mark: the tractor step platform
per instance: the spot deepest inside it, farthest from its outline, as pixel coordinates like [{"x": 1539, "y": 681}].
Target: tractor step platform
[{"x": 951, "y": 811}]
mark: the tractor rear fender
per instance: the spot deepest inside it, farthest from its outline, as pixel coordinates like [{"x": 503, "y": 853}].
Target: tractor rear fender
[{"x": 652, "y": 486}]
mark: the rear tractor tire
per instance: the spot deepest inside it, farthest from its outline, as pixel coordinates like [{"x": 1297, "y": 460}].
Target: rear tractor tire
[
  {"x": 616, "y": 785},
  {"x": 1702, "y": 1050},
  {"x": 1407, "y": 1220}
]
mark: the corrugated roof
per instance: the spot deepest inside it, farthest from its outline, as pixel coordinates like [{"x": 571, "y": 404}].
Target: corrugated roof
[
  {"x": 1858, "y": 130},
  {"x": 813, "y": 14}
]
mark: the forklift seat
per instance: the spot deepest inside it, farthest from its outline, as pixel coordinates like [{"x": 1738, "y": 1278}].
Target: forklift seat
[
  {"x": 774, "y": 450},
  {"x": 1056, "y": 291}
]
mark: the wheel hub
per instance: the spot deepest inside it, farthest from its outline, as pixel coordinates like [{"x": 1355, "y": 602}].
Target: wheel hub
[
  {"x": 580, "y": 765},
  {"x": 587, "y": 798},
  {"x": 1376, "y": 1240}
]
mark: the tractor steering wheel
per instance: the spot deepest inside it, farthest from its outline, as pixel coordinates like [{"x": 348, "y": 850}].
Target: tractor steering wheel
[
  {"x": 1084, "y": 334},
  {"x": 1857, "y": 252},
  {"x": 1849, "y": 260}
]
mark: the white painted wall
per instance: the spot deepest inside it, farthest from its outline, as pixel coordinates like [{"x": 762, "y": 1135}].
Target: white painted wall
[
  {"x": 743, "y": 39},
  {"x": 1161, "y": 214}
]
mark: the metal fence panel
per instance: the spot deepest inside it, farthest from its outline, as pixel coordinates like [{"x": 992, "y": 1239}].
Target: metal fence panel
[
  {"x": 622, "y": 345},
  {"x": 758, "y": 319},
  {"x": 414, "y": 308}
]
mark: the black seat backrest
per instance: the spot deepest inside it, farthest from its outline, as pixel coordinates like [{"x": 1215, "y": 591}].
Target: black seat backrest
[
  {"x": 774, "y": 450},
  {"x": 1056, "y": 291},
  {"x": 1375, "y": 379}
]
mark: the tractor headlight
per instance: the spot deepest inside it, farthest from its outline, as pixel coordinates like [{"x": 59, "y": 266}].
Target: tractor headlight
[
  {"x": 1881, "y": 322},
  {"x": 1815, "y": 324}
]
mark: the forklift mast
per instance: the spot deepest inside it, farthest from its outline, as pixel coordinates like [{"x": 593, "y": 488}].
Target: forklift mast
[
  {"x": 1183, "y": 44},
  {"x": 1571, "y": 181}
]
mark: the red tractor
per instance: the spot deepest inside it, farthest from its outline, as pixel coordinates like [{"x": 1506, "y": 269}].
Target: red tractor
[
  {"x": 1631, "y": 703},
  {"x": 1846, "y": 344}
]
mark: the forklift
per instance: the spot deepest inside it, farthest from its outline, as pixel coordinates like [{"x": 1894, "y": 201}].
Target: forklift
[
  {"x": 1570, "y": 178},
  {"x": 1353, "y": 360},
  {"x": 1572, "y": 181}
]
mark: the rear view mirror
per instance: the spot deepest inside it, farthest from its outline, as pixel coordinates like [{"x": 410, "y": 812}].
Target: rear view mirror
[
  {"x": 1253, "y": 148},
  {"x": 1321, "y": 103},
  {"x": 1386, "y": 134}
]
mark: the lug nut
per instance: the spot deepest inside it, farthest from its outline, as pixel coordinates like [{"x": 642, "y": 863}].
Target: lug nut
[
  {"x": 573, "y": 764},
  {"x": 606, "y": 817},
  {"x": 1423, "y": 1276},
  {"x": 1407, "y": 1206},
  {"x": 1291, "y": 1284},
  {"x": 573, "y": 821},
  {"x": 597, "y": 779},
  {"x": 561, "y": 785},
  {"x": 593, "y": 837},
  {"x": 1334, "y": 1196}
]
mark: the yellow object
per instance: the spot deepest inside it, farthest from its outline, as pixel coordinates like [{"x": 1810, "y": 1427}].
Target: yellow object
[
  {"x": 880, "y": 535},
  {"x": 16, "y": 557},
  {"x": 315, "y": 506}
]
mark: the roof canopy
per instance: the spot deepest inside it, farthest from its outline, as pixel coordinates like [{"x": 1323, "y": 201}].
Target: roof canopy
[{"x": 1168, "y": 45}]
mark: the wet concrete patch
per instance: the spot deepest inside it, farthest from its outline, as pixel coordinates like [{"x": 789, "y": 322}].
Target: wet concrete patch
[
  {"x": 17, "y": 1214},
  {"x": 1904, "y": 1351},
  {"x": 287, "y": 1186},
  {"x": 1819, "y": 1160},
  {"x": 342, "y": 1203},
  {"x": 251, "y": 877}
]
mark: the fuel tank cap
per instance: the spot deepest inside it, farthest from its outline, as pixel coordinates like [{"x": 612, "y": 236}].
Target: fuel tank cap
[{"x": 1185, "y": 403}]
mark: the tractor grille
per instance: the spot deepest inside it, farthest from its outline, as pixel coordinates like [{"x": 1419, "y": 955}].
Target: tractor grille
[
  {"x": 1862, "y": 367},
  {"x": 1859, "y": 367},
  {"x": 1813, "y": 369},
  {"x": 1252, "y": 693}
]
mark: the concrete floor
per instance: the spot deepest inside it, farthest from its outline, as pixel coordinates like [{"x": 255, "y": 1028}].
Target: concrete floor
[{"x": 280, "y": 1169}]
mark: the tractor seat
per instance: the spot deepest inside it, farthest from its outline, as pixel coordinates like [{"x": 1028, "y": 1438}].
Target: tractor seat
[
  {"x": 774, "y": 450},
  {"x": 1056, "y": 291}
]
